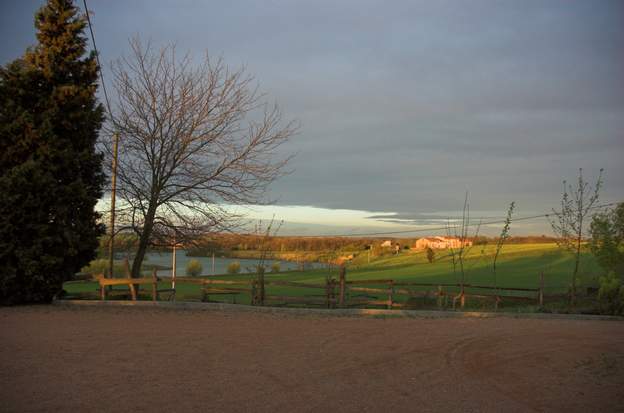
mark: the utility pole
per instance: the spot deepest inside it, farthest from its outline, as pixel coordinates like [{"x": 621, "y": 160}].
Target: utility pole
[
  {"x": 111, "y": 248},
  {"x": 173, "y": 269}
]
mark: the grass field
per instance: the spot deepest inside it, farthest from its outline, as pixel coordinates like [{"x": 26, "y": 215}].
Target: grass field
[{"x": 518, "y": 266}]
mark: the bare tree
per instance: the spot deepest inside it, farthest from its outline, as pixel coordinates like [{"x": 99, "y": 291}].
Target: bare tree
[
  {"x": 270, "y": 232},
  {"x": 193, "y": 137},
  {"x": 458, "y": 257},
  {"x": 499, "y": 246},
  {"x": 501, "y": 240},
  {"x": 569, "y": 223}
]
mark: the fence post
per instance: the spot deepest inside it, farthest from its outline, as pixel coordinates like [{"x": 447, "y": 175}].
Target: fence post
[
  {"x": 462, "y": 300},
  {"x": 343, "y": 280},
  {"x": 390, "y": 293},
  {"x": 204, "y": 296},
  {"x": 329, "y": 286},
  {"x": 541, "y": 290},
  {"x": 133, "y": 292},
  {"x": 261, "y": 282},
  {"x": 253, "y": 291},
  {"x": 154, "y": 286},
  {"x": 439, "y": 296},
  {"x": 134, "y": 288}
]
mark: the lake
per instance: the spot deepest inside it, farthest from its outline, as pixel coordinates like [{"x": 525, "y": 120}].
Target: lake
[{"x": 220, "y": 263}]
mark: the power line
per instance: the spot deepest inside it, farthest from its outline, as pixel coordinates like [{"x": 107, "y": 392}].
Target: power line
[
  {"x": 111, "y": 248},
  {"x": 368, "y": 234},
  {"x": 97, "y": 58}
]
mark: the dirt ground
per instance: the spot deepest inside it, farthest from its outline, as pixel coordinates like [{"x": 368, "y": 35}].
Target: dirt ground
[{"x": 133, "y": 359}]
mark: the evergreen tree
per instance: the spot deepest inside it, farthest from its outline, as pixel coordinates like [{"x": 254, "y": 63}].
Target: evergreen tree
[{"x": 50, "y": 174}]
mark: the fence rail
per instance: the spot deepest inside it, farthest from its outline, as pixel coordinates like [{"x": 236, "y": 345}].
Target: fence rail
[{"x": 339, "y": 292}]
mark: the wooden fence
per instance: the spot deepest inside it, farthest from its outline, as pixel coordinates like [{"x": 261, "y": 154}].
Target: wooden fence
[
  {"x": 340, "y": 293},
  {"x": 133, "y": 285}
]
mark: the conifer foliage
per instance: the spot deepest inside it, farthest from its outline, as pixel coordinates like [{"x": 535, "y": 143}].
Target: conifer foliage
[{"x": 50, "y": 173}]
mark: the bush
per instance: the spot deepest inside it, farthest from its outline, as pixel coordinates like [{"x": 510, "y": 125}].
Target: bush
[
  {"x": 100, "y": 266},
  {"x": 193, "y": 268},
  {"x": 607, "y": 239},
  {"x": 276, "y": 267},
  {"x": 430, "y": 255},
  {"x": 234, "y": 267},
  {"x": 611, "y": 294},
  {"x": 480, "y": 241}
]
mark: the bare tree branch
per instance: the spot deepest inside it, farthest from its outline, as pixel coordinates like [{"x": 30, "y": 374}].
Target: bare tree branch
[
  {"x": 192, "y": 138},
  {"x": 569, "y": 224}
]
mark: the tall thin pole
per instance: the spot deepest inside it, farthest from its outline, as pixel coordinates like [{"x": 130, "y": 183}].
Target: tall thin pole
[
  {"x": 213, "y": 263},
  {"x": 111, "y": 248},
  {"x": 173, "y": 270},
  {"x": 115, "y": 145}
]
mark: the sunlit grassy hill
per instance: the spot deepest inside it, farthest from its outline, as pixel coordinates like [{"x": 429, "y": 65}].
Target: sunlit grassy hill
[{"x": 518, "y": 265}]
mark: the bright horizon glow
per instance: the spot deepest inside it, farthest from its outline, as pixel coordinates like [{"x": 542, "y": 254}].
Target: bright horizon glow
[
  {"x": 316, "y": 221},
  {"x": 302, "y": 214}
]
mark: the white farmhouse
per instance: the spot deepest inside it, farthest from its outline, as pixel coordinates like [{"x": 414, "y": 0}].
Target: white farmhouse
[{"x": 438, "y": 243}]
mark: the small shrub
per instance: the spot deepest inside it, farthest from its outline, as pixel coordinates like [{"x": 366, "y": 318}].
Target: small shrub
[
  {"x": 611, "y": 294},
  {"x": 480, "y": 241},
  {"x": 194, "y": 268},
  {"x": 255, "y": 269},
  {"x": 100, "y": 266},
  {"x": 430, "y": 255},
  {"x": 234, "y": 267},
  {"x": 275, "y": 267}
]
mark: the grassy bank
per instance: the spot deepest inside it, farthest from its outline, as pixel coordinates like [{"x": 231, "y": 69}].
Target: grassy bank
[{"x": 518, "y": 266}]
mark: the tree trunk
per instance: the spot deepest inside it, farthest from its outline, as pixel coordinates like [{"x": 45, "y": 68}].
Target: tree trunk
[
  {"x": 140, "y": 255},
  {"x": 261, "y": 284},
  {"x": 144, "y": 241},
  {"x": 577, "y": 260}
]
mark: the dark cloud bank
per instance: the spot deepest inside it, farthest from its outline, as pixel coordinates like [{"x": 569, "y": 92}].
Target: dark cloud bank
[{"x": 406, "y": 105}]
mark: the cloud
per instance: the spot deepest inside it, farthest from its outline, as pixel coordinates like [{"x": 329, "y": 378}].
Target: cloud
[{"x": 406, "y": 105}]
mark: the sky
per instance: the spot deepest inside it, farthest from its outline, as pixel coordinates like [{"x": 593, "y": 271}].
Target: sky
[{"x": 405, "y": 105}]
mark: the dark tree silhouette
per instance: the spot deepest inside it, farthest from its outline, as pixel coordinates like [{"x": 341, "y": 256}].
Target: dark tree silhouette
[{"x": 51, "y": 176}]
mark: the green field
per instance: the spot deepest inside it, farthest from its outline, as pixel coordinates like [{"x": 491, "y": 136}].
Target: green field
[{"x": 518, "y": 266}]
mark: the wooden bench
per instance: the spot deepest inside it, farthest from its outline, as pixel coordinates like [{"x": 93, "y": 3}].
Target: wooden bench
[{"x": 131, "y": 283}]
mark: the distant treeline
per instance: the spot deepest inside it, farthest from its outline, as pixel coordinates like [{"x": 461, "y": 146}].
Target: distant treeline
[
  {"x": 223, "y": 243},
  {"x": 528, "y": 239}
]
